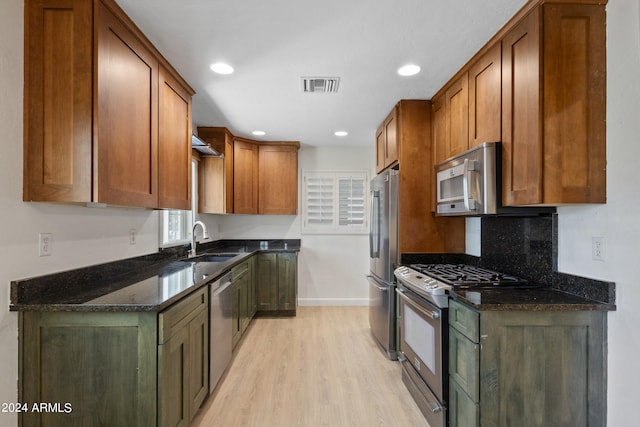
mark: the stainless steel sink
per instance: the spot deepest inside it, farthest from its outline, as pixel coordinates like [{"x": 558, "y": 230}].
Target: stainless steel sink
[{"x": 211, "y": 258}]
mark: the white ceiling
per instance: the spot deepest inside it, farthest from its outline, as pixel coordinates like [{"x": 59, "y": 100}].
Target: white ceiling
[{"x": 271, "y": 44}]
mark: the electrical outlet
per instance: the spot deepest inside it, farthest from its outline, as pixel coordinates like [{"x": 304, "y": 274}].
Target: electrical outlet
[
  {"x": 597, "y": 248},
  {"x": 45, "y": 244},
  {"x": 132, "y": 236}
]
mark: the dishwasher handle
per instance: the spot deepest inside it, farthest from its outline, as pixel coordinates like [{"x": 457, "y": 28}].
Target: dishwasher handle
[{"x": 222, "y": 283}]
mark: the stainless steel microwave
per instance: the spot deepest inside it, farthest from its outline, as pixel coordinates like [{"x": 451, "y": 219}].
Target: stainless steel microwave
[{"x": 467, "y": 183}]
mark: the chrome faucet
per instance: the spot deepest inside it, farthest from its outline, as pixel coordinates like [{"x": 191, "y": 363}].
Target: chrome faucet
[{"x": 205, "y": 235}]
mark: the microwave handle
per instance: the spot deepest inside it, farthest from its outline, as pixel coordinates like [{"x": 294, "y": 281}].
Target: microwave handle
[
  {"x": 465, "y": 184},
  {"x": 468, "y": 166}
]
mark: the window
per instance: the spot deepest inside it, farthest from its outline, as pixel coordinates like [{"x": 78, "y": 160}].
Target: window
[
  {"x": 334, "y": 202},
  {"x": 175, "y": 225}
]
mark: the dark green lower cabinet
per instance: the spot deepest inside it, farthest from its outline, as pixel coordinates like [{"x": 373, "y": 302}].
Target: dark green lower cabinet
[
  {"x": 183, "y": 361},
  {"x": 530, "y": 368},
  {"x": 116, "y": 368},
  {"x": 243, "y": 297},
  {"x": 277, "y": 283},
  {"x": 102, "y": 365}
]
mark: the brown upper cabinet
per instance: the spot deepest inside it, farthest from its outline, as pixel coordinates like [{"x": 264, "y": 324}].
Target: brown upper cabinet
[
  {"x": 451, "y": 120},
  {"x": 215, "y": 174},
  {"x": 174, "y": 156},
  {"x": 539, "y": 87},
  {"x": 253, "y": 177},
  {"x": 387, "y": 142},
  {"x": 457, "y": 117},
  {"x": 278, "y": 179},
  {"x": 553, "y": 106},
  {"x": 439, "y": 129},
  {"x": 485, "y": 91},
  {"x": 245, "y": 176},
  {"x": 418, "y": 229},
  {"x": 97, "y": 134}
]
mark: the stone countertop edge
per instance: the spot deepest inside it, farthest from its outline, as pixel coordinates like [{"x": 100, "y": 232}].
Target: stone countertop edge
[
  {"x": 131, "y": 267},
  {"x": 539, "y": 299}
]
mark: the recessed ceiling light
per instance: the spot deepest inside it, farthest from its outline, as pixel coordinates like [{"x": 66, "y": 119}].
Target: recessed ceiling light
[
  {"x": 222, "y": 68},
  {"x": 341, "y": 133},
  {"x": 259, "y": 132},
  {"x": 409, "y": 70}
]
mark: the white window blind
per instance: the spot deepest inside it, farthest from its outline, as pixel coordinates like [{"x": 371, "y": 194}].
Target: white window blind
[{"x": 335, "y": 203}]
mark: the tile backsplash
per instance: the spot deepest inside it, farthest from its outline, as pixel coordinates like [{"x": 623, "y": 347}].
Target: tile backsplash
[{"x": 522, "y": 246}]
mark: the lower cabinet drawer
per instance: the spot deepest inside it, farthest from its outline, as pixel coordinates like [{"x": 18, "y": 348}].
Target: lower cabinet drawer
[
  {"x": 463, "y": 411},
  {"x": 465, "y": 320},
  {"x": 464, "y": 363},
  {"x": 175, "y": 317}
]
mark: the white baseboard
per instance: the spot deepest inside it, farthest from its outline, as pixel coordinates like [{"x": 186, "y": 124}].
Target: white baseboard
[{"x": 333, "y": 302}]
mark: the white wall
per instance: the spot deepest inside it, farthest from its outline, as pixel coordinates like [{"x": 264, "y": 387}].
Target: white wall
[{"x": 331, "y": 269}]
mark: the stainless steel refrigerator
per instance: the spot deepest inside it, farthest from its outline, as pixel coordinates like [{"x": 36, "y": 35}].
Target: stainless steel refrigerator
[{"x": 384, "y": 258}]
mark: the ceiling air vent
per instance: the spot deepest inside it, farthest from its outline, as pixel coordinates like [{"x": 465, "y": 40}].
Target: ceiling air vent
[{"x": 320, "y": 84}]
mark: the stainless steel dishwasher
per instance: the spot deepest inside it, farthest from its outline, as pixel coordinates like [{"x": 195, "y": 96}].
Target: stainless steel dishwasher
[{"x": 221, "y": 327}]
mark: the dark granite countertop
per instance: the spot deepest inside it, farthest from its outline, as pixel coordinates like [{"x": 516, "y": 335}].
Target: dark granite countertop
[
  {"x": 534, "y": 299},
  {"x": 147, "y": 283}
]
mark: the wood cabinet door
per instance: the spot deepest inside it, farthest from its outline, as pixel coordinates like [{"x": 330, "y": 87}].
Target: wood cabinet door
[
  {"x": 287, "y": 274},
  {"x": 174, "y": 143},
  {"x": 267, "y": 286},
  {"x": 235, "y": 313},
  {"x": 380, "y": 149},
  {"x": 440, "y": 145},
  {"x": 463, "y": 411},
  {"x": 485, "y": 98},
  {"x": 457, "y": 116},
  {"x": 574, "y": 108},
  {"x": 521, "y": 120},
  {"x": 198, "y": 381},
  {"x": 126, "y": 148},
  {"x": 252, "y": 287},
  {"x": 278, "y": 180},
  {"x": 391, "y": 138},
  {"x": 215, "y": 174},
  {"x": 561, "y": 383},
  {"x": 173, "y": 369},
  {"x": 58, "y": 101},
  {"x": 211, "y": 185},
  {"x": 104, "y": 364},
  {"x": 245, "y": 177}
]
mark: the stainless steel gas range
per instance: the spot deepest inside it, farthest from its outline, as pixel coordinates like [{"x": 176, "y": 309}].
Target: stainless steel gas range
[{"x": 423, "y": 292}]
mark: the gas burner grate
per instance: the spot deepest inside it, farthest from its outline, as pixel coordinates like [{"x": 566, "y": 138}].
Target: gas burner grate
[{"x": 461, "y": 275}]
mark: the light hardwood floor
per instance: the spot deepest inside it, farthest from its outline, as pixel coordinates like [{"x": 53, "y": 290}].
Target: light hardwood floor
[{"x": 320, "y": 368}]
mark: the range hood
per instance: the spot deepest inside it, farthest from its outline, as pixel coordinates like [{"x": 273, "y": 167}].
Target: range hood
[{"x": 202, "y": 147}]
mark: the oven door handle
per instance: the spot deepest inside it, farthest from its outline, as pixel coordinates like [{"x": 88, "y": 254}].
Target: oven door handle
[
  {"x": 430, "y": 314},
  {"x": 435, "y": 406}
]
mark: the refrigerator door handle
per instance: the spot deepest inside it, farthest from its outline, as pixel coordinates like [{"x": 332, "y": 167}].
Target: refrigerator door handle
[
  {"x": 373, "y": 282},
  {"x": 374, "y": 235}
]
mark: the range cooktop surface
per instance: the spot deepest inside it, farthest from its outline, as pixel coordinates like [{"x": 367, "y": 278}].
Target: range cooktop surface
[
  {"x": 434, "y": 281},
  {"x": 462, "y": 275}
]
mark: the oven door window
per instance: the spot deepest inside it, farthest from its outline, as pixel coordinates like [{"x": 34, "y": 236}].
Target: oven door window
[{"x": 421, "y": 337}]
